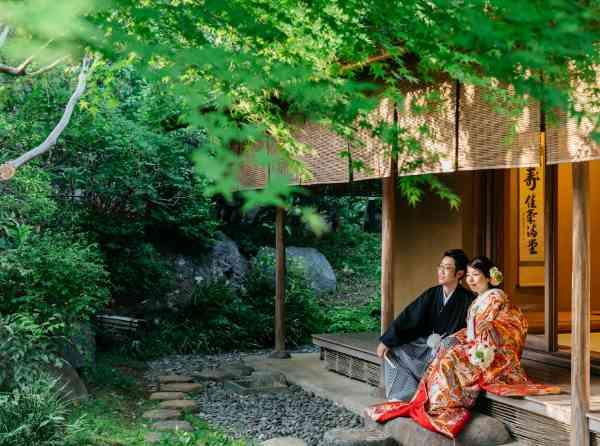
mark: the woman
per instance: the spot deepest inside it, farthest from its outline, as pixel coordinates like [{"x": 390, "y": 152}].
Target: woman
[{"x": 485, "y": 355}]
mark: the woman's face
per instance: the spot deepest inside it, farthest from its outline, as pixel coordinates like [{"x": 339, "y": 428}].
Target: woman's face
[{"x": 477, "y": 280}]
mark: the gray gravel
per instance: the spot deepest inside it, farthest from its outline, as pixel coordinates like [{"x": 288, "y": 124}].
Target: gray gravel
[
  {"x": 268, "y": 415},
  {"x": 257, "y": 417}
]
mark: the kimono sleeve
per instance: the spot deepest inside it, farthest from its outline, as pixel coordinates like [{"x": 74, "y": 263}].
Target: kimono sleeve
[{"x": 410, "y": 323}]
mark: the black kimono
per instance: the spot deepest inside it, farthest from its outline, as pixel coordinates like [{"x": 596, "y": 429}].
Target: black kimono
[{"x": 408, "y": 333}]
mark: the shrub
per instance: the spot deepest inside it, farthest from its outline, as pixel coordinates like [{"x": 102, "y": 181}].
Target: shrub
[
  {"x": 34, "y": 414},
  {"x": 26, "y": 346},
  {"x": 53, "y": 275},
  {"x": 137, "y": 272},
  {"x": 221, "y": 318}
]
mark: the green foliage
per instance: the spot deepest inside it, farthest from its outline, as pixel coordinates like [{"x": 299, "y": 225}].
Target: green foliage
[
  {"x": 220, "y": 318},
  {"x": 26, "y": 347},
  {"x": 138, "y": 272},
  {"x": 34, "y": 413},
  {"x": 53, "y": 275},
  {"x": 355, "y": 318}
]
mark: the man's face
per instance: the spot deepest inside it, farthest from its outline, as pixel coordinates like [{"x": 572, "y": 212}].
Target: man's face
[{"x": 446, "y": 272}]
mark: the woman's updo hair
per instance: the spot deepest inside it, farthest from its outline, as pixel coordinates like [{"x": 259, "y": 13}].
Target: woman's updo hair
[{"x": 482, "y": 264}]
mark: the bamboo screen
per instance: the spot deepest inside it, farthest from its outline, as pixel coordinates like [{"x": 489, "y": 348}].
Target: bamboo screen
[
  {"x": 428, "y": 116},
  {"x": 369, "y": 149},
  {"x": 252, "y": 176},
  {"x": 324, "y": 162},
  {"x": 571, "y": 140},
  {"x": 485, "y": 140}
]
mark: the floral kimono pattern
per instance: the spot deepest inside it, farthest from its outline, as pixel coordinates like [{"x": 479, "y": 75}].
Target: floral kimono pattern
[{"x": 451, "y": 384}]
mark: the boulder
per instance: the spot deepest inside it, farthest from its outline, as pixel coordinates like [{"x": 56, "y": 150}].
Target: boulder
[
  {"x": 71, "y": 386},
  {"x": 79, "y": 349},
  {"x": 481, "y": 430},
  {"x": 224, "y": 260},
  {"x": 358, "y": 437},
  {"x": 316, "y": 268}
]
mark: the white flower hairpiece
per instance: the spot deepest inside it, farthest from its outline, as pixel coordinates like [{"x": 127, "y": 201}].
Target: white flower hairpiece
[{"x": 496, "y": 276}]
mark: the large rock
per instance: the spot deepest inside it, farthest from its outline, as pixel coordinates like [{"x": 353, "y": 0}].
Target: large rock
[
  {"x": 315, "y": 266},
  {"x": 70, "y": 385},
  {"x": 223, "y": 261},
  {"x": 79, "y": 349},
  {"x": 481, "y": 430}
]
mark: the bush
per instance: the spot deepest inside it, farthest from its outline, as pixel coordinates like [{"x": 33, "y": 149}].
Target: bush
[
  {"x": 365, "y": 317},
  {"x": 26, "y": 347},
  {"x": 53, "y": 276},
  {"x": 34, "y": 414},
  {"x": 138, "y": 272},
  {"x": 220, "y": 318}
]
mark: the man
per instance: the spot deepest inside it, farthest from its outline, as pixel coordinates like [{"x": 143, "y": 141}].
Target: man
[{"x": 442, "y": 309}]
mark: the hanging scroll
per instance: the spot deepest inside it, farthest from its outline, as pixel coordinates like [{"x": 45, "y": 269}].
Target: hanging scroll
[{"x": 531, "y": 226}]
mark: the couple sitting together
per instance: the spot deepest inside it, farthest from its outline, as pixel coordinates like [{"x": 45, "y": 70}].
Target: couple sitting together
[{"x": 450, "y": 344}]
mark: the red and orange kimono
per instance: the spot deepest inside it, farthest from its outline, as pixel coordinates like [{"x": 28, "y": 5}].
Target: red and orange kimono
[{"x": 451, "y": 384}]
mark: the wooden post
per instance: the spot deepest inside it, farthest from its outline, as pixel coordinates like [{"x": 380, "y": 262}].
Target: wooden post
[
  {"x": 280, "y": 352},
  {"x": 550, "y": 251},
  {"x": 388, "y": 228},
  {"x": 580, "y": 308}
]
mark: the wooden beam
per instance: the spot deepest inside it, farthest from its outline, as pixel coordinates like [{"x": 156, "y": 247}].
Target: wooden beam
[
  {"x": 550, "y": 259},
  {"x": 388, "y": 230},
  {"x": 580, "y": 308},
  {"x": 280, "y": 351}
]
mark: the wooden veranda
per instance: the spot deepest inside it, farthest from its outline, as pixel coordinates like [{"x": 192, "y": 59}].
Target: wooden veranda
[{"x": 469, "y": 137}]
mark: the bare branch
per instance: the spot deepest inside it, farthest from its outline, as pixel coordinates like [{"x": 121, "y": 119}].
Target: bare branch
[
  {"x": 48, "y": 67},
  {"x": 8, "y": 169},
  {"x": 21, "y": 69}
]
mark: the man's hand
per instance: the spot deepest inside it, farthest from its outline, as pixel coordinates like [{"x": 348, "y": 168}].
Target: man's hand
[{"x": 382, "y": 349}]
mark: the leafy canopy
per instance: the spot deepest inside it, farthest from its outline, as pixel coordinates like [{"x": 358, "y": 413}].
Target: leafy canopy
[{"x": 246, "y": 67}]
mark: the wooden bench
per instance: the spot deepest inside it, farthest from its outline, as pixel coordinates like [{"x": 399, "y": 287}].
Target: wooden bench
[{"x": 118, "y": 328}]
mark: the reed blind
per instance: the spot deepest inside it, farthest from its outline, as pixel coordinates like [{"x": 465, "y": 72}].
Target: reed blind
[
  {"x": 428, "y": 118},
  {"x": 569, "y": 139},
  {"x": 487, "y": 138}
]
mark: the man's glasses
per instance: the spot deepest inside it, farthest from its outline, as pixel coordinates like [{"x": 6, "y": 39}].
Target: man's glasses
[{"x": 447, "y": 269}]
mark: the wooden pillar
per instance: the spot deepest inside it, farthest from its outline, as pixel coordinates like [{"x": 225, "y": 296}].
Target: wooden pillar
[
  {"x": 388, "y": 230},
  {"x": 550, "y": 259},
  {"x": 580, "y": 308},
  {"x": 280, "y": 352}
]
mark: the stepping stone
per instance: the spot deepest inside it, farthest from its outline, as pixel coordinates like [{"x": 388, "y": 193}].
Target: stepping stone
[
  {"x": 152, "y": 437},
  {"x": 182, "y": 387},
  {"x": 284, "y": 441},
  {"x": 230, "y": 371},
  {"x": 165, "y": 379},
  {"x": 185, "y": 405},
  {"x": 480, "y": 430},
  {"x": 173, "y": 426},
  {"x": 161, "y": 414},
  {"x": 166, "y": 396},
  {"x": 357, "y": 437}
]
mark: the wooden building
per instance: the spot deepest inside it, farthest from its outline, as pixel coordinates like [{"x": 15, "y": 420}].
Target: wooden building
[{"x": 526, "y": 203}]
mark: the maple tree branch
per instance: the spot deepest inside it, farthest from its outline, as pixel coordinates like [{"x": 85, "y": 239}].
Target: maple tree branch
[{"x": 8, "y": 169}]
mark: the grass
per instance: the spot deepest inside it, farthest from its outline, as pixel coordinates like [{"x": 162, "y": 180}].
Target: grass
[{"x": 112, "y": 415}]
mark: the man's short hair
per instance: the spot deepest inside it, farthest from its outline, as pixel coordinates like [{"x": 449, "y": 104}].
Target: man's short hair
[{"x": 460, "y": 259}]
